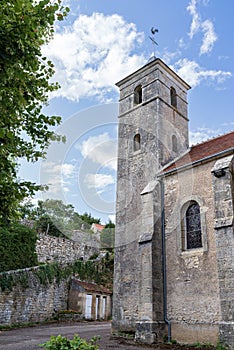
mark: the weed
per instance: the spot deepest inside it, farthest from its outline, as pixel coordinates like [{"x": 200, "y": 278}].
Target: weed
[
  {"x": 63, "y": 343},
  {"x": 221, "y": 346}
]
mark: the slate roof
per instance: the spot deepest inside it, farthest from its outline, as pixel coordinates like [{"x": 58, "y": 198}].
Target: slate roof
[{"x": 204, "y": 151}]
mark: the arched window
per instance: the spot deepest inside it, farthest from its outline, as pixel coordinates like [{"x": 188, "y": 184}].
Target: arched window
[
  {"x": 137, "y": 142},
  {"x": 173, "y": 97},
  {"x": 138, "y": 95},
  {"x": 174, "y": 143},
  {"x": 193, "y": 227}
]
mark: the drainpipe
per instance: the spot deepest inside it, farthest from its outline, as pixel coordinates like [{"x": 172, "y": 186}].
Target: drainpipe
[{"x": 164, "y": 264}]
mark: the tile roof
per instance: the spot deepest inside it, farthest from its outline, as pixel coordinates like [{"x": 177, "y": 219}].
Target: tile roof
[
  {"x": 204, "y": 150},
  {"x": 99, "y": 227},
  {"x": 92, "y": 287}
]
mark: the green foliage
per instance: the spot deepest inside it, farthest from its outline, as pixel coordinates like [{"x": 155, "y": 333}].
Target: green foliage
[
  {"x": 63, "y": 343},
  {"x": 100, "y": 272},
  {"x": 87, "y": 270},
  {"x": 51, "y": 226},
  {"x": 17, "y": 247},
  {"x": 89, "y": 219},
  {"x": 221, "y": 346},
  {"x": 47, "y": 273},
  {"x": 110, "y": 224},
  {"x": 25, "y": 132},
  {"x": 56, "y": 218},
  {"x": 7, "y": 327},
  {"x": 27, "y": 211},
  {"x": 107, "y": 237},
  {"x": 56, "y": 209},
  {"x": 8, "y": 281},
  {"x": 126, "y": 335}
]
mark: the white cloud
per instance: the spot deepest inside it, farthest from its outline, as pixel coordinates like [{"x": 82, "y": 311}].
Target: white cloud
[
  {"x": 209, "y": 37},
  {"x": 202, "y": 134},
  {"x": 206, "y": 27},
  {"x": 230, "y": 124},
  {"x": 100, "y": 149},
  {"x": 66, "y": 169},
  {"x": 57, "y": 176},
  {"x": 181, "y": 43},
  {"x": 99, "y": 181},
  {"x": 93, "y": 54},
  {"x": 193, "y": 74},
  {"x": 196, "y": 21},
  {"x": 168, "y": 56}
]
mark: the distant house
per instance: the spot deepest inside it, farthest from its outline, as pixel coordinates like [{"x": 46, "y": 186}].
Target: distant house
[
  {"x": 97, "y": 228},
  {"x": 93, "y": 302}
]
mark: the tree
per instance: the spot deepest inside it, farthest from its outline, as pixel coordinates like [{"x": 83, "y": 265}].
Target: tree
[
  {"x": 25, "y": 132},
  {"x": 108, "y": 235},
  {"x": 59, "y": 219},
  {"x": 110, "y": 224},
  {"x": 89, "y": 219},
  {"x": 55, "y": 217}
]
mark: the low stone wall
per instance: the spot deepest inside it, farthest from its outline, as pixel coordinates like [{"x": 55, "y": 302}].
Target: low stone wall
[
  {"x": 62, "y": 250},
  {"x": 30, "y": 300},
  {"x": 70, "y": 317}
]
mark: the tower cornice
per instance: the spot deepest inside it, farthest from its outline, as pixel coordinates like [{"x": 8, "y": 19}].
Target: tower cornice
[{"x": 152, "y": 63}]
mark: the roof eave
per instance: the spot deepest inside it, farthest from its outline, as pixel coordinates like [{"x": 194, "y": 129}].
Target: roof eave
[{"x": 197, "y": 162}]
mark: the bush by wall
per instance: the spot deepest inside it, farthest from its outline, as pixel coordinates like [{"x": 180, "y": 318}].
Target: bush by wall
[{"x": 17, "y": 247}]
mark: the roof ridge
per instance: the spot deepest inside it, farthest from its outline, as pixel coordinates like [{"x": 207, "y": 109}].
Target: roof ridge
[
  {"x": 211, "y": 139},
  {"x": 205, "y": 150}
]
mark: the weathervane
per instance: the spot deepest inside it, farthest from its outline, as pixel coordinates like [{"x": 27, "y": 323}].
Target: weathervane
[{"x": 153, "y": 31}]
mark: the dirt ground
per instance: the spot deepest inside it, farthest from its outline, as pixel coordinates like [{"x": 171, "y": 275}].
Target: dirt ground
[{"x": 29, "y": 338}]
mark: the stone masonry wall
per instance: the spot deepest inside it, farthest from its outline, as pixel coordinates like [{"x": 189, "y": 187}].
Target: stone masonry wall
[
  {"x": 62, "y": 250},
  {"x": 192, "y": 275},
  {"x": 224, "y": 234},
  {"x": 35, "y": 303}
]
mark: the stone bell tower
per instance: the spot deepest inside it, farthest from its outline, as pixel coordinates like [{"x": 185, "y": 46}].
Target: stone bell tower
[{"x": 153, "y": 130}]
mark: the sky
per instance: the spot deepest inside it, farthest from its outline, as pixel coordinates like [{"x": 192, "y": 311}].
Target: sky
[{"x": 101, "y": 42}]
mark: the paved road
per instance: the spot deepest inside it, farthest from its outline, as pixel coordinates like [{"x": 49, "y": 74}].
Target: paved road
[{"x": 29, "y": 338}]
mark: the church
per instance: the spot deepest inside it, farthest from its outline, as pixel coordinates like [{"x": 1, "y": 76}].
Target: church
[{"x": 174, "y": 240}]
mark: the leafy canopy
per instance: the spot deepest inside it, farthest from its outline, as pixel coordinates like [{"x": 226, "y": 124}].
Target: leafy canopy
[
  {"x": 25, "y": 132},
  {"x": 56, "y": 218}
]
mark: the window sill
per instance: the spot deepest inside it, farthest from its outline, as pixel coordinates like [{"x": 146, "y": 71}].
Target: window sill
[
  {"x": 136, "y": 152},
  {"x": 192, "y": 252}
]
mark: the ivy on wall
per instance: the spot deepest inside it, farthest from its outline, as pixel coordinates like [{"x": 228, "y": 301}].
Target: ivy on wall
[{"x": 91, "y": 270}]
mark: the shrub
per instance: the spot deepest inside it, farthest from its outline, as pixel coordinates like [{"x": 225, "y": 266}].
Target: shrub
[
  {"x": 17, "y": 247},
  {"x": 63, "y": 343}
]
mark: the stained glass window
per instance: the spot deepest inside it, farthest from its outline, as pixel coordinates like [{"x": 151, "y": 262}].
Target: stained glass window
[{"x": 193, "y": 227}]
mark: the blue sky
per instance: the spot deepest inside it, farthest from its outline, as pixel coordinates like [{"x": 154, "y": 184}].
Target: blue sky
[{"x": 101, "y": 42}]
